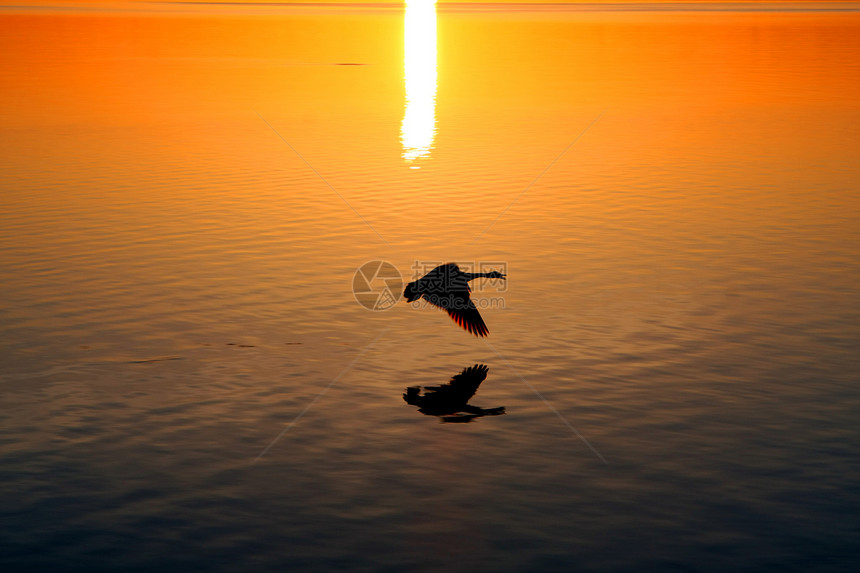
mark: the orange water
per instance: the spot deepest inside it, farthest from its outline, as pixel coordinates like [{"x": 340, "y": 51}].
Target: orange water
[{"x": 682, "y": 289}]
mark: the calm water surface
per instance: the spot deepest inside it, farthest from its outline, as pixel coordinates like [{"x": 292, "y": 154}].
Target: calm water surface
[{"x": 176, "y": 290}]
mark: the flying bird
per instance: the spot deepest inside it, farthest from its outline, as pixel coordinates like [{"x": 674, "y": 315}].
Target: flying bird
[
  {"x": 447, "y": 287},
  {"x": 451, "y": 401}
]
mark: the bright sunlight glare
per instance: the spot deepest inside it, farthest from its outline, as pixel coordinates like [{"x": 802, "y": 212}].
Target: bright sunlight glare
[{"x": 419, "y": 71}]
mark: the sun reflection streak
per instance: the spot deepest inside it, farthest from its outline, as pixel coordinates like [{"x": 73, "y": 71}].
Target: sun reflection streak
[{"x": 419, "y": 73}]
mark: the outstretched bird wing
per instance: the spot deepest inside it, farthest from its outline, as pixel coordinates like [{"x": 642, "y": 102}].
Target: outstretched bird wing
[
  {"x": 452, "y": 396},
  {"x": 461, "y": 309},
  {"x": 467, "y": 381}
]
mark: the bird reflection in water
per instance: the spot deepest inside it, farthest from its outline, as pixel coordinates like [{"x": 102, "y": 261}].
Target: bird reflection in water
[
  {"x": 450, "y": 401},
  {"x": 447, "y": 287}
]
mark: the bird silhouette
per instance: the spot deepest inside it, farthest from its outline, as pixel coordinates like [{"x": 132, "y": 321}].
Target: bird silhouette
[
  {"x": 451, "y": 401},
  {"x": 447, "y": 287}
]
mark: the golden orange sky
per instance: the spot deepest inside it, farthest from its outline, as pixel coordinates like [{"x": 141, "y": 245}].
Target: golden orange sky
[
  {"x": 137, "y": 5},
  {"x": 11, "y": 6},
  {"x": 324, "y": 2}
]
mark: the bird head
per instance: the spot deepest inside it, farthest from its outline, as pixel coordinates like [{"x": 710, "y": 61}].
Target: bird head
[{"x": 496, "y": 275}]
